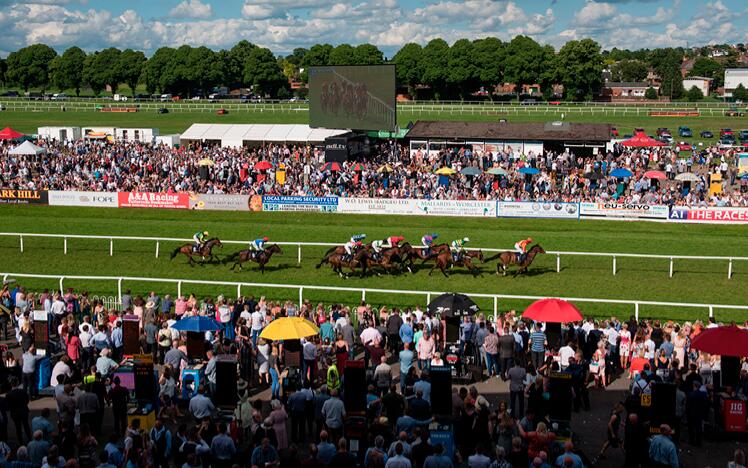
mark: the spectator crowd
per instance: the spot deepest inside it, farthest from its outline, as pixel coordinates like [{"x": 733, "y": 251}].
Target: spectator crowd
[{"x": 294, "y": 413}]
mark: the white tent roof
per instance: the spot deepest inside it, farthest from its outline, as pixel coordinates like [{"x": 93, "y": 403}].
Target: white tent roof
[
  {"x": 259, "y": 132},
  {"x": 27, "y": 148}
]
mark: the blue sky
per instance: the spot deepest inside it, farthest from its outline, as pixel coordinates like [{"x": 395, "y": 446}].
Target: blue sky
[{"x": 282, "y": 25}]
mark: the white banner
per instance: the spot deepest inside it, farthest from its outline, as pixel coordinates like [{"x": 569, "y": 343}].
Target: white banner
[
  {"x": 624, "y": 210},
  {"x": 539, "y": 209},
  {"x": 724, "y": 215},
  {"x": 77, "y": 198},
  {"x": 393, "y": 206},
  {"x": 220, "y": 202}
]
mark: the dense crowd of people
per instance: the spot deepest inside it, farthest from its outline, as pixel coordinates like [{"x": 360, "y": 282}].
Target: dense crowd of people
[
  {"x": 303, "y": 421},
  {"x": 393, "y": 171}
]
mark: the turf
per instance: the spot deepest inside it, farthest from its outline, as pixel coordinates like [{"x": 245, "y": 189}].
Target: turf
[
  {"x": 178, "y": 122},
  {"x": 637, "y": 279}
]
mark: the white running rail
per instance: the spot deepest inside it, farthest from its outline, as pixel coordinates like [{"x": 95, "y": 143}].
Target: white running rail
[
  {"x": 363, "y": 291},
  {"x": 299, "y": 245}
]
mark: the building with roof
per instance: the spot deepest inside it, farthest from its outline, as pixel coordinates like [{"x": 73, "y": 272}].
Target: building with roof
[
  {"x": 626, "y": 90},
  {"x": 239, "y": 135},
  {"x": 702, "y": 83},
  {"x": 432, "y": 137},
  {"x": 734, "y": 77}
]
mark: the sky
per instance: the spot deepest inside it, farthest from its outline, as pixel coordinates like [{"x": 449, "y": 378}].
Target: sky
[{"x": 282, "y": 25}]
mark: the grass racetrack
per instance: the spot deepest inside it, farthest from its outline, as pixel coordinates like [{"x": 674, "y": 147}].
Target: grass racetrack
[{"x": 694, "y": 281}]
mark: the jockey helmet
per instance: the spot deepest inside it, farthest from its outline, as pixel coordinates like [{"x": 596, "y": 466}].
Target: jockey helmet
[
  {"x": 205, "y": 233},
  {"x": 529, "y": 239},
  {"x": 265, "y": 238},
  {"x": 400, "y": 238},
  {"x": 434, "y": 235},
  {"x": 465, "y": 239}
]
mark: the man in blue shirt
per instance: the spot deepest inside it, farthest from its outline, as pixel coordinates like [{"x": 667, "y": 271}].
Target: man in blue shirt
[
  {"x": 326, "y": 331},
  {"x": 406, "y": 362},
  {"x": 406, "y": 332},
  {"x": 264, "y": 455},
  {"x": 662, "y": 450},
  {"x": 667, "y": 347},
  {"x": 438, "y": 459},
  {"x": 576, "y": 461},
  {"x": 117, "y": 341},
  {"x": 325, "y": 450}
]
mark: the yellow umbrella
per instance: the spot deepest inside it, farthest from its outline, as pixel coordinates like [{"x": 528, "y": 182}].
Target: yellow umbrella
[
  {"x": 289, "y": 328},
  {"x": 205, "y": 162},
  {"x": 446, "y": 171},
  {"x": 386, "y": 168}
]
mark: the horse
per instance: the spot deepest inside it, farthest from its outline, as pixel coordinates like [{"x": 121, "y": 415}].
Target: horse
[
  {"x": 445, "y": 260},
  {"x": 509, "y": 258},
  {"x": 248, "y": 255},
  {"x": 386, "y": 259},
  {"x": 337, "y": 261},
  {"x": 205, "y": 251}
]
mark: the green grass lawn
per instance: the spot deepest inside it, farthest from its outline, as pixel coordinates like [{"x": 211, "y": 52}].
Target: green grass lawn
[
  {"x": 637, "y": 279},
  {"x": 178, "y": 122}
]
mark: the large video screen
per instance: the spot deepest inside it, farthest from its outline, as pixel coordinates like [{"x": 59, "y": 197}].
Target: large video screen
[{"x": 355, "y": 97}]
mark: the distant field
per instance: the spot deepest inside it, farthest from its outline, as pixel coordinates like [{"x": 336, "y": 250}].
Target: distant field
[{"x": 637, "y": 279}]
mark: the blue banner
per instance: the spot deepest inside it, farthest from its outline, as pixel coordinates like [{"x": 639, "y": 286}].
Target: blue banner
[{"x": 299, "y": 203}]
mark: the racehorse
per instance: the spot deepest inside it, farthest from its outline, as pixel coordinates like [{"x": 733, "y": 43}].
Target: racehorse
[
  {"x": 386, "y": 259},
  {"x": 337, "y": 261},
  {"x": 445, "y": 260},
  {"x": 509, "y": 258},
  {"x": 205, "y": 251},
  {"x": 248, "y": 255}
]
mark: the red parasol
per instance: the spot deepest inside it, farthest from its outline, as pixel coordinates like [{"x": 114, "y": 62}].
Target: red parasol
[
  {"x": 9, "y": 134},
  {"x": 723, "y": 341},
  {"x": 655, "y": 175},
  {"x": 331, "y": 166},
  {"x": 641, "y": 140},
  {"x": 358, "y": 167},
  {"x": 553, "y": 310},
  {"x": 263, "y": 166}
]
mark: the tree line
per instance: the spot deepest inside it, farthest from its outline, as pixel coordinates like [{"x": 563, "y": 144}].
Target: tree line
[{"x": 434, "y": 71}]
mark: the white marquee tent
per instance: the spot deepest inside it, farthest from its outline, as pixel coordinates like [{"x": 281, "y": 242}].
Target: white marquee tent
[
  {"x": 27, "y": 149},
  {"x": 236, "y": 135}
]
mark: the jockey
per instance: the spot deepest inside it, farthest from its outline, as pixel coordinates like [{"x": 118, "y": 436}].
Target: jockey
[
  {"x": 258, "y": 245},
  {"x": 458, "y": 247},
  {"x": 427, "y": 241},
  {"x": 392, "y": 241},
  {"x": 521, "y": 248},
  {"x": 199, "y": 238},
  {"x": 354, "y": 244}
]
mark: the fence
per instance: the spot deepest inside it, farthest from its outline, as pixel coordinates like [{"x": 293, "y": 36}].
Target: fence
[
  {"x": 613, "y": 256},
  {"x": 363, "y": 291}
]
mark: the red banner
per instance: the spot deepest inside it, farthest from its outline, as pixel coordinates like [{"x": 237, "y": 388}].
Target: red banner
[
  {"x": 735, "y": 414},
  {"x": 153, "y": 200}
]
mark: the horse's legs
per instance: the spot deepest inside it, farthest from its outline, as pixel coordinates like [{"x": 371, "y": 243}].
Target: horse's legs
[{"x": 444, "y": 271}]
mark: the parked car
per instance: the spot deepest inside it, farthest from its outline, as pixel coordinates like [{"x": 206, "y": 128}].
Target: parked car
[
  {"x": 162, "y": 110},
  {"x": 706, "y": 134},
  {"x": 2, "y": 107},
  {"x": 661, "y": 131},
  {"x": 734, "y": 112},
  {"x": 725, "y": 131},
  {"x": 10, "y": 94},
  {"x": 684, "y": 132},
  {"x": 60, "y": 97},
  {"x": 743, "y": 135},
  {"x": 683, "y": 146},
  {"x": 166, "y": 98}
]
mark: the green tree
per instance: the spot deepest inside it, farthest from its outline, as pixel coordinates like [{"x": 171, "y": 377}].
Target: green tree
[
  {"x": 318, "y": 56},
  {"x": 489, "y": 58},
  {"x": 740, "y": 93},
  {"x": 67, "y": 70},
  {"x": 694, "y": 94},
  {"x": 409, "y": 66},
  {"x": 435, "y": 66},
  {"x": 629, "y": 70},
  {"x": 203, "y": 70},
  {"x": 579, "y": 66},
  {"x": 234, "y": 68},
  {"x": 650, "y": 94},
  {"x": 3, "y": 68},
  {"x": 709, "y": 68},
  {"x": 155, "y": 67},
  {"x": 29, "y": 67},
  {"x": 297, "y": 56},
  {"x": 462, "y": 72},
  {"x": 263, "y": 73},
  {"x": 526, "y": 61},
  {"x": 101, "y": 70},
  {"x": 177, "y": 76},
  {"x": 367, "y": 54},
  {"x": 344, "y": 54},
  {"x": 668, "y": 68},
  {"x": 130, "y": 68}
]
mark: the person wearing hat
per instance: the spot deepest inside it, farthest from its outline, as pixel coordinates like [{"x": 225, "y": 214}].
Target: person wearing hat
[
  {"x": 243, "y": 411},
  {"x": 662, "y": 450},
  {"x": 521, "y": 247}
]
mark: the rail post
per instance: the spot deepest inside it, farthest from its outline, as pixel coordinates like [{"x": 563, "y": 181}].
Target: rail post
[
  {"x": 21, "y": 237},
  {"x": 428, "y": 298},
  {"x": 729, "y": 270},
  {"x": 61, "y": 281},
  {"x": 671, "y": 267},
  {"x": 298, "y": 256},
  {"x": 119, "y": 289},
  {"x": 301, "y": 295},
  {"x": 495, "y": 306},
  {"x": 614, "y": 265},
  {"x": 111, "y": 247},
  {"x": 636, "y": 310},
  {"x": 363, "y": 294},
  {"x": 179, "y": 288},
  {"x": 65, "y": 246},
  {"x": 238, "y": 290},
  {"x": 711, "y": 311},
  {"x": 558, "y": 263},
  {"x": 158, "y": 246}
]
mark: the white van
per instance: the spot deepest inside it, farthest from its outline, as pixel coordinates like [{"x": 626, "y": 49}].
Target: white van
[{"x": 166, "y": 98}]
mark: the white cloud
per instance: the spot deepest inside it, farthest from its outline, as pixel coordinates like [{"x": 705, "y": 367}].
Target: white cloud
[
  {"x": 191, "y": 9},
  {"x": 594, "y": 14}
]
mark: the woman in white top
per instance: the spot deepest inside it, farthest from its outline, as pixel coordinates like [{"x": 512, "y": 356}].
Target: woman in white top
[
  {"x": 263, "y": 355},
  {"x": 437, "y": 359}
]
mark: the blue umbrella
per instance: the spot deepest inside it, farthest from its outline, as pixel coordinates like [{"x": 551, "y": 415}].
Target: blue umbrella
[
  {"x": 621, "y": 172},
  {"x": 197, "y": 323},
  {"x": 744, "y": 176},
  {"x": 529, "y": 170}
]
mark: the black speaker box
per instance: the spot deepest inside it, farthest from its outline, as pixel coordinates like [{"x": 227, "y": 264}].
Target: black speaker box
[
  {"x": 559, "y": 404},
  {"x": 663, "y": 404},
  {"x": 226, "y": 389},
  {"x": 354, "y": 387},
  {"x": 441, "y": 390},
  {"x": 730, "y": 369}
]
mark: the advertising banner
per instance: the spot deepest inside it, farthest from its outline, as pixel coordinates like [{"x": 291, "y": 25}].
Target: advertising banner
[
  {"x": 624, "y": 210},
  {"x": 23, "y": 197},
  {"x": 220, "y": 202},
  {"x": 455, "y": 208},
  {"x": 709, "y": 215},
  {"x": 78, "y": 198},
  {"x": 153, "y": 200},
  {"x": 540, "y": 209},
  {"x": 298, "y": 203},
  {"x": 392, "y": 206},
  {"x": 734, "y": 412}
]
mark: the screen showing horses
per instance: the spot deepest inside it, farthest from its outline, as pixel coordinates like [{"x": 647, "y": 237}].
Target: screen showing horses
[{"x": 355, "y": 97}]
